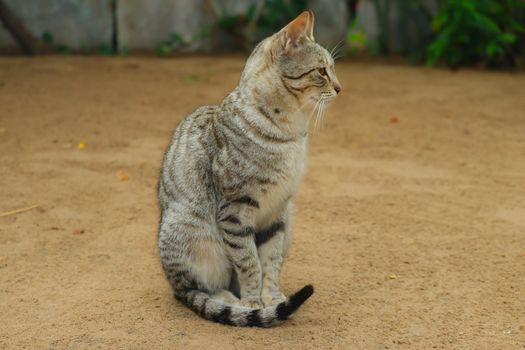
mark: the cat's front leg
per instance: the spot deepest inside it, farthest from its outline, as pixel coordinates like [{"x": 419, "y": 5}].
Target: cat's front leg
[
  {"x": 243, "y": 254},
  {"x": 238, "y": 236},
  {"x": 272, "y": 243},
  {"x": 271, "y": 254}
]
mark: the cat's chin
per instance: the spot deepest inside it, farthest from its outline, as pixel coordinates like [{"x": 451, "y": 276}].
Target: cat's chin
[
  {"x": 321, "y": 102},
  {"x": 326, "y": 99}
]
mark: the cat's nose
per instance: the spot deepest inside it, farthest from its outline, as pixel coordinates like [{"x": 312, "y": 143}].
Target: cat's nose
[{"x": 337, "y": 88}]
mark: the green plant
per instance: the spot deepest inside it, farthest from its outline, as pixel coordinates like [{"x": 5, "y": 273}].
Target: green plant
[
  {"x": 356, "y": 38},
  {"x": 270, "y": 16},
  {"x": 273, "y": 15},
  {"x": 260, "y": 20},
  {"x": 382, "y": 9},
  {"x": 176, "y": 41},
  {"x": 105, "y": 50},
  {"x": 48, "y": 39},
  {"x": 241, "y": 30},
  {"x": 403, "y": 28},
  {"x": 473, "y": 31},
  {"x": 124, "y": 51}
]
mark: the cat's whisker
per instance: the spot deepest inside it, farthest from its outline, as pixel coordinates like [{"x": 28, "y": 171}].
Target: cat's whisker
[
  {"x": 315, "y": 122},
  {"x": 321, "y": 117},
  {"x": 329, "y": 45},
  {"x": 335, "y": 50},
  {"x": 338, "y": 56},
  {"x": 323, "y": 113},
  {"x": 319, "y": 112},
  {"x": 314, "y": 109},
  {"x": 318, "y": 115},
  {"x": 300, "y": 108}
]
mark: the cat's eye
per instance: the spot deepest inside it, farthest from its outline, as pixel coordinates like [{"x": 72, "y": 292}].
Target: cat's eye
[{"x": 322, "y": 71}]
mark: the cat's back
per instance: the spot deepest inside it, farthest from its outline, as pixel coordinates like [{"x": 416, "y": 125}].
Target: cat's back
[
  {"x": 189, "y": 135},
  {"x": 187, "y": 158}
]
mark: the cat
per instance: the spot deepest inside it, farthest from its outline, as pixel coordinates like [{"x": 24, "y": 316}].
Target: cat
[{"x": 228, "y": 179}]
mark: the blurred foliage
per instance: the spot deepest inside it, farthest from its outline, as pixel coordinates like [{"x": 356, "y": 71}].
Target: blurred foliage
[
  {"x": 105, "y": 50},
  {"x": 176, "y": 42},
  {"x": 233, "y": 31},
  {"x": 412, "y": 28},
  {"x": 261, "y": 20},
  {"x": 273, "y": 15},
  {"x": 48, "y": 39},
  {"x": 356, "y": 39},
  {"x": 478, "y": 31},
  {"x": 462, "y": 33},
  {"x": 123, "y": 51}
]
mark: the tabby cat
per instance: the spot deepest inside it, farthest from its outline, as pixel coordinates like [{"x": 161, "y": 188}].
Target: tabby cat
[{"x": 228, "y": 179}]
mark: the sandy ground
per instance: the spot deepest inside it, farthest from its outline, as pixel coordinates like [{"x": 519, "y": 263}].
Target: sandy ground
[{"x": 410, "y": 222}]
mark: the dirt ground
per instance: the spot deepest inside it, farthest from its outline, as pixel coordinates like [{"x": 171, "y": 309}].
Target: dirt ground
[{"x": 410, "y": 222}]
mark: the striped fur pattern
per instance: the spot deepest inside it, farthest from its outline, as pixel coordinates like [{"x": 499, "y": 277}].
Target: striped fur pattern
[{"x": 229, "y": 177}]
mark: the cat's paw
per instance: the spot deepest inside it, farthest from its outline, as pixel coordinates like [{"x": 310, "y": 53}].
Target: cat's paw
[
  {"x": 252, "y": 302},
  {"x": 274, "y": 298}
]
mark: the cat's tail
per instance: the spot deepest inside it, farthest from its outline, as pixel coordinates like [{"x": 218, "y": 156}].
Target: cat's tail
[{"x": 219, "y": 311}]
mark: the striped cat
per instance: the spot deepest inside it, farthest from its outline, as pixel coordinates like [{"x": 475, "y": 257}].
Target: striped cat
[{"x": 228, "y": 179}]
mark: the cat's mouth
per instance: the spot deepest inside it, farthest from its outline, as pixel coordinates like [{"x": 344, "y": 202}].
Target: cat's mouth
[
  {"x": 326, "y": 100},
  {"x": 327, "y": 97}
]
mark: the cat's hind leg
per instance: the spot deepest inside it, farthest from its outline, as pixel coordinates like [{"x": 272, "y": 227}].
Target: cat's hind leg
[{"x": 191, "y": 253}]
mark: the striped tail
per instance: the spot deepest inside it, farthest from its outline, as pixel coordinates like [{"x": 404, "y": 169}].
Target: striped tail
[{"x": 218, "y": 311}]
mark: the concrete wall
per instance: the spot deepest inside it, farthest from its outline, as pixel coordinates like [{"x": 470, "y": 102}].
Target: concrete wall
[
  {"x": 147, "y": 24},
  {"x": 407, "y": 25},
  {"x": 78, "y": 24},
  {"x": 331, "y": 21},
  {"x": 140, "y": 24}
]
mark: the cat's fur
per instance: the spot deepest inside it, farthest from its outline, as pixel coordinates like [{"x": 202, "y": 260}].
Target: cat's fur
[{"x": 228, "y": 179}]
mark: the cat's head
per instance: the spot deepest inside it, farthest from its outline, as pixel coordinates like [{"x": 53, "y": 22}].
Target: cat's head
[{"x": 293, "y": 62}]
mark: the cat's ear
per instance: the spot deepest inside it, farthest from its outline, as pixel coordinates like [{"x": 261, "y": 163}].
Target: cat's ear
[{"x": 300, "y": 28}]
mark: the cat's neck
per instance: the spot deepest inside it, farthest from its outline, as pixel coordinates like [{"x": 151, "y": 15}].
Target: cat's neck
[{"x": 267, "y": 98}]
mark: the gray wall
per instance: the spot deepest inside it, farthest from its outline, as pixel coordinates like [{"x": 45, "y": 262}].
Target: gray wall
[
  {"x": 78, "y": 24},
  {"x": 405, "y": 26},
  {"x": 146, "y": 24}
]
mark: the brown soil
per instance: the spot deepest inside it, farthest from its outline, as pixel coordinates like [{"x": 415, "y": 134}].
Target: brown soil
[{"x": 410, "y": 221}]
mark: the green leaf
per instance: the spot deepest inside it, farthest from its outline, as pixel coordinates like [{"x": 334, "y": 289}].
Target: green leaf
[
  {"x": 507, "y": 38},
  {"x": 47, "y": 38},
  {"x": 62, "y": 49},
  {"x": 165, "y": 50},
  {"x": 105, "y": 50},
  {"x": 123, "y": 51},
  {"x": 176, "y": 38},
  {"x": 493, "y": 49}
]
